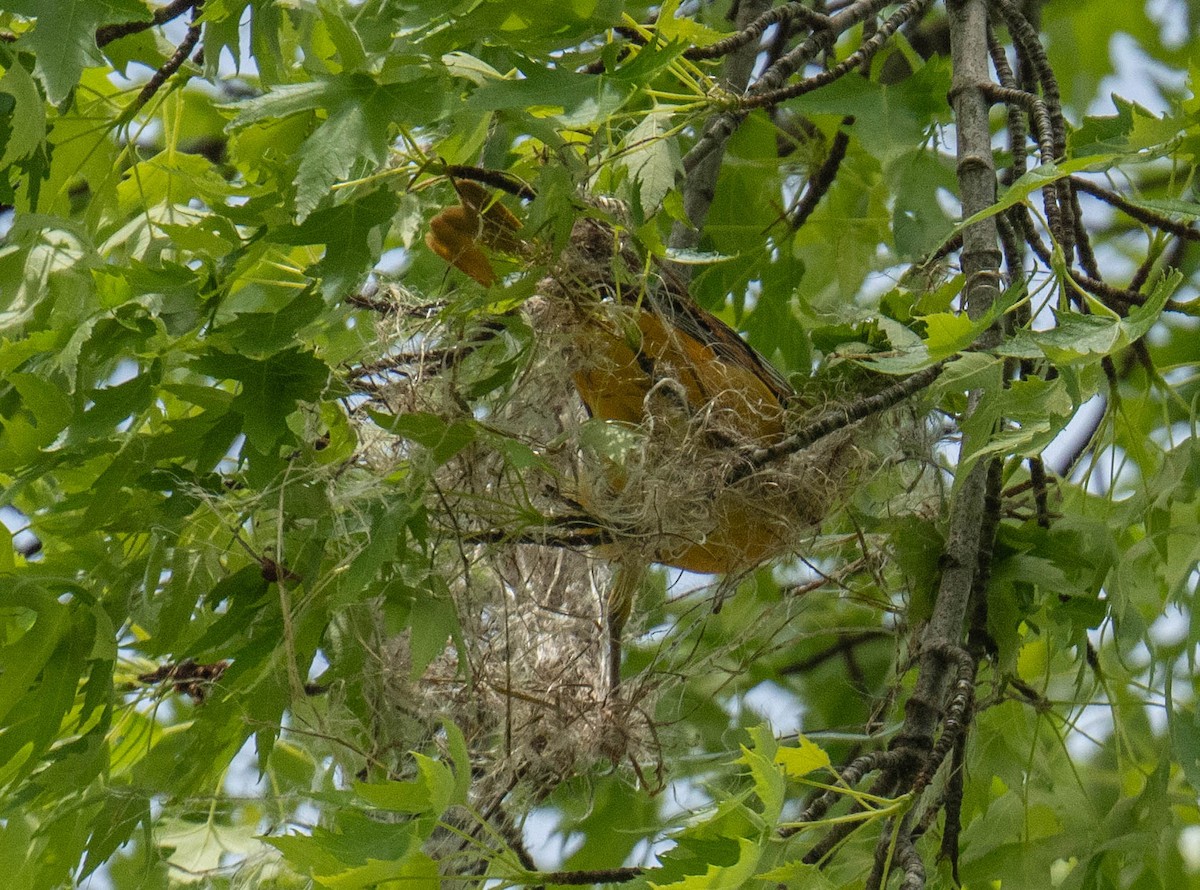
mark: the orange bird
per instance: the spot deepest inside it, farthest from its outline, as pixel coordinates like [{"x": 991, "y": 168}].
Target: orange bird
[{"x": 718, "y": 371}]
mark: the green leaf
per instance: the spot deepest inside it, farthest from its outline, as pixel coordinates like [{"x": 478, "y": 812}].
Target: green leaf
[
  {"x": 889, "y": 120},
  {"x": 124, "y": 810},
  {"x": 354, "y": 136},
  {"x": 349, "y": 46},
  {"x": 34, "y": 623},
  {"x": 672, "y": 27},
  {"x": 652, "y": 159},
  {"x": 362, "y": 852},
  {"x": 575, "y": 100},
  {"x": 360, "y": 113},
  {"x": 431, "y": 793},
  {"x": 285, "y": 101},
  {"x": 1132, "y": 129},
  {"x": 443, "y": 440},
  {"x": 799, "y": 874},
  {"x": 26, "y": 118},
  {"x": 768, "y": 779},
  {"x": 947, "y": 333},
  {"x": 434, "y": 621},
  {"x": 805, "y": 758},
  {"x": 8, "y": 560},
  {"x": 717, "y": 877},
  {"x": 270, "y": 390},
  {"x": 351, "y": 232},
  {"x": 1078, "y": 337},
  {"x": 460, "y": 759},
  {"x": 1185, "y": 737},
  {"x": 1033, "y": 180},
  {"x": 64, "y": 38}
]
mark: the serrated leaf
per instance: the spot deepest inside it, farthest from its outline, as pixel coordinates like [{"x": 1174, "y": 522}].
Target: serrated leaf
[
  {"x": 360, "y": 842},
  {"x": 768, "y": 779},
  {"x": 349, "y": 46},
  {"x": 652, "y": 159},
  {"x": 351, "y": 232},
  {"x": 798, "y": 874},
  {"x": 683, "y": 29},
  {"x": 1132, "y": 129},
  {"x": 431, "y": 793},
  {"x": 32, "y": 623},
  {"x": 283, "y": 101},
  {"x": 64, "y": 38},
  {"x": 443, "y": 440},
  {"x": 270, "y": 389},
  {"x": 124, "y": 810},
  {"x": 947, "y": 333},
  {"x": 803, "y": 759},
  {"x": 971, "y": 370},
  {"x": 1076, "y": 337},
  {"x": 26, "y": 118},
  {"x": 576, "y": 100},
  {"x": 719, "y": 877},
  {"x": 355, "y": 132},
  {"x": 465, "y": 65},
  {"x": 1035, "y": 179}
]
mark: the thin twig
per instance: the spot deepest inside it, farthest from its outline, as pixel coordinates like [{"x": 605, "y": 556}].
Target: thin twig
[
  {"x": 700, "y": 184},
  {"x": 850, "y": 776},
  {"x": 820, "y": 182},
  {"x": 723, "y": 126},
  {"x": 561, "y": 531},
  {"x": 845, "y": 644},
  {"x": 598, "y": 876},
  {"x": 172, "y": 64},
  {"x": 868, "y": 48},
  {"x": 781, "y": 15},
  {"x": 836, "y": 419},
  {"x": 106, "y": 34},
  {"x": 1141, "y": 214}
]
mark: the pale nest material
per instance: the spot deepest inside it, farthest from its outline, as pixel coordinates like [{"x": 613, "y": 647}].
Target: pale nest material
[{"x": 527, "y": 679}]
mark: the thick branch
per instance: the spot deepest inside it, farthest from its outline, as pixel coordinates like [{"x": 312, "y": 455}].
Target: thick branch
[{"x": 980, "y": 262}]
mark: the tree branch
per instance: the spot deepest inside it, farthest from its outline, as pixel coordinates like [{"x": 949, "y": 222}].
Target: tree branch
[
  {"x": 172, "y": 64},
  {"x": 106, "y": 34},
  {"x": 751, "y": 30},
  {"x": 836, "y": 419},
  {"x": 980, "y": 262},
  {"x": 1141, "y": 214},
  {"x": 870, "y": 46},
  {"x": 822, "y": 179},
  {"x": 724, "y": 124}
]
